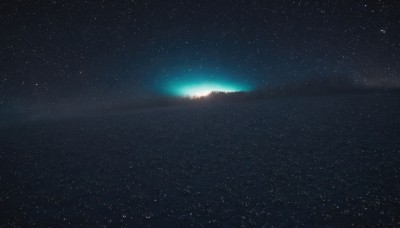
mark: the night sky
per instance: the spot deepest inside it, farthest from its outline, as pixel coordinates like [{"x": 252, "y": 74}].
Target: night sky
[
  {"x": 199, "y": 113},
  {"x": 71, "y": 51}
]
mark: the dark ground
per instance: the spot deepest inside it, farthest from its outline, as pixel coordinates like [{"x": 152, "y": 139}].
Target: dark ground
[{"x": 312, "y": 161}]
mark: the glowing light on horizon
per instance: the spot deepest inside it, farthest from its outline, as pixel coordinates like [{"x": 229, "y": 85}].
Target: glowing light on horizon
[
  {"x": 202, "y": 90},
  {"x": 196, "y": 85}
]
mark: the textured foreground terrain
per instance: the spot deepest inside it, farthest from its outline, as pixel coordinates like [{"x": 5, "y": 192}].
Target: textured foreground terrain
[{"x": 331, "y": 161}]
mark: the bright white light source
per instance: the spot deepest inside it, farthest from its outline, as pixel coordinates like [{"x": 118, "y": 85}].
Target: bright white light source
[
  {"x": 203, "y": 90},
  {"x": 201, "y": 93}
]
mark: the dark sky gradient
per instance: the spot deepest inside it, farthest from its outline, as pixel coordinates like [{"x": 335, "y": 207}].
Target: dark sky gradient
[{"x": 57, "y": 51}]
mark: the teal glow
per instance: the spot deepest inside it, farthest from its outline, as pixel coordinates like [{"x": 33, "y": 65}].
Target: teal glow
[
  {"x": 199, "y": 88},
  {"x": 199, "y": 83},
  {"x": 203, "y": 89}
]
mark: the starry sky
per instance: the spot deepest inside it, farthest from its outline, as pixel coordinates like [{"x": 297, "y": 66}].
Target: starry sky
[{"x": 58, "y": 51}]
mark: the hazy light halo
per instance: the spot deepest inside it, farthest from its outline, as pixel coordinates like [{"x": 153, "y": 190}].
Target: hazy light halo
[
  {"x": 204, "y": 89},
  {"x": 200, "y": 84}
]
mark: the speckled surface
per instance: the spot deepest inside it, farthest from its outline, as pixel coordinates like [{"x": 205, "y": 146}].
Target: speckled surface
[{"x": 313, "y": 161}]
